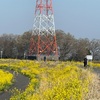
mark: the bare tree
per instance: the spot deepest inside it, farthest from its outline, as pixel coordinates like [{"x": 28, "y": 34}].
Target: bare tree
[
  {"x": 15, "y": 46},
  {"x": 81, "y": 49},
  {"x": 7, "y": 42},
  {"x": 22, "y": 43},
  {"x": 66, "y": 44},
  {"x": 95, "y": 48}
]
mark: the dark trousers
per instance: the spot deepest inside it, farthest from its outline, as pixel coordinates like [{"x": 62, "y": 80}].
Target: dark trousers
[{"x": 85, "y": 64}]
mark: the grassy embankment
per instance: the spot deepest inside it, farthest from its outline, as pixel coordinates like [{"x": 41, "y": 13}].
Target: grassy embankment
[{"x": 50, "y": 80}]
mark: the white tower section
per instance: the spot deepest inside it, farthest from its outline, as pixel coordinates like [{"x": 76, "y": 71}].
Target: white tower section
[{"x": 44, "y": 18}]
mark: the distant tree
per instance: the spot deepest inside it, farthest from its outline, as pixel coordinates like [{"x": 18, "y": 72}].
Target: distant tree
[
  {"x": 14, "y": 46},
  {"x": 69, "y": 48},
  {"x": 22, "y": 43},
  {"x": 65, "y": 44},
  {"x": 81, "y": 49},
  {"x": 7, "y": 42},
  {"x": 95, "y": 48}
]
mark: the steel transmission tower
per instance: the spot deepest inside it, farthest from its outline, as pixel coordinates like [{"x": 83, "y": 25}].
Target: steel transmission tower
[{"x": 43, "y": 41}]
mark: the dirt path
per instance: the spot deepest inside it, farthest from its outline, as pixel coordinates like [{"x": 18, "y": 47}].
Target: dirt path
[
  {"x": 21, "y": 83},
  {"x": 94, "y": 93}
]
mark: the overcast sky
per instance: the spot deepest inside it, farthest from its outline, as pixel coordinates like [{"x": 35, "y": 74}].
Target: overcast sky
[{"x": 79, "y": 17}]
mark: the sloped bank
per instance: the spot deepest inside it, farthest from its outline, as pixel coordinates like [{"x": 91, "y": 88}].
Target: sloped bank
[
  {"x": 63, "y": 80},
  {"x": 94, "y": 93}
]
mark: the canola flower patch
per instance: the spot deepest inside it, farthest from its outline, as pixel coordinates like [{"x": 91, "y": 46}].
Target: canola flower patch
[
  {"x": 95, "y": 64},
  {"x": 62, "y": 83},
  {"x": 50, "y": 80},
  {"x": 5, "y": 80}
]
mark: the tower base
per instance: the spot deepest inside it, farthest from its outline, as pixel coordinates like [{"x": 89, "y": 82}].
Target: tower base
[
  {"x": 48, "y": 58},
  {"x": 41, "y": 58}
]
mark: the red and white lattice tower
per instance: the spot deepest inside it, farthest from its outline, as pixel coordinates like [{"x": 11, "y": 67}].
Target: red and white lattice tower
[{"x": 43, "y": 41}]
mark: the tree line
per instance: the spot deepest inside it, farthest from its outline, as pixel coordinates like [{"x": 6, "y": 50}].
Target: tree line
[{"x": 70, "y": 48}]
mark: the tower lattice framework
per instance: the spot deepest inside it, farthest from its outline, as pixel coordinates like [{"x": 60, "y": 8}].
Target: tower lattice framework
[{"x": 43, "y": 41}]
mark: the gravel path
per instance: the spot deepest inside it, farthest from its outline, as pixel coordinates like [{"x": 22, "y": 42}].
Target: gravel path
[
  {"x": 21, "y": 83},
  {"x": 94, "y": 93}
]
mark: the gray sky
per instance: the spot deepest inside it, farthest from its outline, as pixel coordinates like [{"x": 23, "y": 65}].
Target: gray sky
[{"x": 79, "y": 17}]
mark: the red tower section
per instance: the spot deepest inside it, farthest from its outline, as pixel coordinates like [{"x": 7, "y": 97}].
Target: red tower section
[{"x": 43, "y": 41}]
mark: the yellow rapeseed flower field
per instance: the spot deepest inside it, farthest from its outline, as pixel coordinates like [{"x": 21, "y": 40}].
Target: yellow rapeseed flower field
[
  {"x": 50, "y": 80},
  {"x": 5, "y": 80}
]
